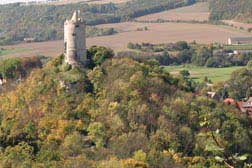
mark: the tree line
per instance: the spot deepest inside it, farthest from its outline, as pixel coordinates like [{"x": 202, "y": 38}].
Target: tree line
[
  {"x": 231, "y": 9},
  {"x": 212, "y": 55},
  {"x": 45, "y": 22}
]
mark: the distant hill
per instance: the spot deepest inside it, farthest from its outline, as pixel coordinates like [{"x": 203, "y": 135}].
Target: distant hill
[
  {"x": 231, "y": 9},
  {"x": 45, "y": 22}
]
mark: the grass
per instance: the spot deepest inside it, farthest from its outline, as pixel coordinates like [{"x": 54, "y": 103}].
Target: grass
[
  {"x": 199, "y": 73},
  {"x": 4, "y": 52},
  {"x": 198, "y": 7},
  {"x": 196, "y": 12},
  {"x": 238, "y": 47}
]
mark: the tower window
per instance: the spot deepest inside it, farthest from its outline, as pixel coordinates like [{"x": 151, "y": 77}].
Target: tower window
[
  {"x": 75, "y": 55},
  {"x": 77, "y": 25},
  {"x": 65, "y": 47},
  {"x": 74, "y": 34}
]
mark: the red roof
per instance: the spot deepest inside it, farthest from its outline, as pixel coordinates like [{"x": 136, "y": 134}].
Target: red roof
[{"x": 229, "y": 101}]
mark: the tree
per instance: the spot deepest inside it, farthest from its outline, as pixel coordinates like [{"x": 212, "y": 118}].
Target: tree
[
  {"x": 96, "y": 133},
  {"x": 73, "y": 145},
  {"x": 182, "y": 45},
  {"x": 184, "y": 73},
  {"x": 99, "y": 54},
  {"x": 18, "y": 156},
  {"x": 201, "y": 55},
  {"x": 249, "y": 64}
]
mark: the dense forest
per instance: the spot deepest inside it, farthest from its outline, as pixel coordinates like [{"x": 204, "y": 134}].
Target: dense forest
[
  {"x": 118, "y": 113},
  {"x": 45, "y": 22},
  {"x": 231, "y": 9}
]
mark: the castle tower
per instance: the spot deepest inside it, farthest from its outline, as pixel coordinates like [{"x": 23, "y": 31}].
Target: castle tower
[{"x": 75, "y": 41}]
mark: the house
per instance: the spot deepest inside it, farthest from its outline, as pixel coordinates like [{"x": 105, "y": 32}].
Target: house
[
  {"x": 230, "y": 101},
  {"x": 212, "y": 95},
  {"x": 239, "y": 40},
  {"x": 246, "y": 106}
]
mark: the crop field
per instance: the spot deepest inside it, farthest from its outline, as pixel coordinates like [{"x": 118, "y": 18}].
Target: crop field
[
  {"x": 199, "y": 73},
  {"x": 245, "y": 26},
  {"x": 129, "y": 32},
  {"x": 164, "y": 33},
  {"x": 198, "y": 12}
]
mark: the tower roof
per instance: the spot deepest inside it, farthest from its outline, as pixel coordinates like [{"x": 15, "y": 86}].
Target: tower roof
[{"x": 75, "y": 17}]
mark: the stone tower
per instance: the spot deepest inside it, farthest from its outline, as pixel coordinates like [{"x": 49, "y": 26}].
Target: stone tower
[{"x": 75, "y": 41}]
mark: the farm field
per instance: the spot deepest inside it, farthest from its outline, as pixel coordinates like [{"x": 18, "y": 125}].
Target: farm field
[
  {"x": 246, "y": 26},
  {"x": 199, "y": 73},
  {"x": 164, "y": 33},
  {"x": 62, "y": 2},
  {"x": 157, "y": 33},
  {"x": 12, "y": 51},
  {"x": 198, "y": 12}
]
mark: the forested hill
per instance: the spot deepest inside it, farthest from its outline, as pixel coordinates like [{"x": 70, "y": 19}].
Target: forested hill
[
  {"x": 120, "y": 113},
  {"x": 45, "y": 22},
  {"x": 231, "y": 9}
]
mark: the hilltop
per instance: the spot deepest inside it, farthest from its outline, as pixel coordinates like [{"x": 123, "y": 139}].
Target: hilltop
[{"x": 118, "y": 112}]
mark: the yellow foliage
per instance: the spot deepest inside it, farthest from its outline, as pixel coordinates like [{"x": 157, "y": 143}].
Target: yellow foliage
[
  {"x": 132, "y": 163},
  {"x": 175, "y": 156}
]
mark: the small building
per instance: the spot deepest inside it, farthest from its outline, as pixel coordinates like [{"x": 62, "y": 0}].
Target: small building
[
  {"x": 239, "y": 40},
  {"x": 246, "y": 106},
  {"x": 29, "y": 40}
]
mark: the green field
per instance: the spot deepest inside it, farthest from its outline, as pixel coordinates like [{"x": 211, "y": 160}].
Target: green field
[
  {"x": 199, "y": 73},
  {"x": 238, "y": 47},
  {"x": 4, "y": 52},
  {"x": 198, "y": 7}
]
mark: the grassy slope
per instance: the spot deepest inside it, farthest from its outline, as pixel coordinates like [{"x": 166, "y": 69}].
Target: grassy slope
[
  {"x": 198, "y": 7},
  {"x": 198, "y": 11},
  {"x": 12, "y": 51},
  {"x": 199, "y": 73}
]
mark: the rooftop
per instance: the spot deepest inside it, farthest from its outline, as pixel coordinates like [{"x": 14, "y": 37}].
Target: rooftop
[{"x": 240, "y": 38}]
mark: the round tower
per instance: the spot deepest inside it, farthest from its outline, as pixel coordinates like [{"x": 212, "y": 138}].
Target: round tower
[{"x": 75, "y": 41}]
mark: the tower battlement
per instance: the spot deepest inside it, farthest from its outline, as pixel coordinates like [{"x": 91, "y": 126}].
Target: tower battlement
[{"x": 75, "y": 41}]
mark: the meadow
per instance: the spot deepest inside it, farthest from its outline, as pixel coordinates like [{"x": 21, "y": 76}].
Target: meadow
[
  {"x": 199, "y": 73},
  {"x": 238, "y": 47},
  {"x": 198, "y": 12},
  {"x": 10, "y": 51}
]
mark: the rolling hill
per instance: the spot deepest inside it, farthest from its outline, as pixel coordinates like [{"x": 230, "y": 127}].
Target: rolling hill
[{"x": 231, "y": 9}]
